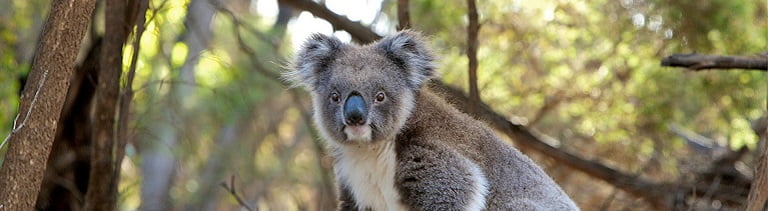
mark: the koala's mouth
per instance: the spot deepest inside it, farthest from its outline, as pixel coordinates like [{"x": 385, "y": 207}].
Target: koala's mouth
[{"x": 361, "y": 133}]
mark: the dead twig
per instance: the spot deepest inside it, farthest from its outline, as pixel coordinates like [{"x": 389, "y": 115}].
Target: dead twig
[{"x": 231, "y": 189}]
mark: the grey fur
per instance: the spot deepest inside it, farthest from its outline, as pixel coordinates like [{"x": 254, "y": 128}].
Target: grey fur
[{"x": 442, "y": 158}]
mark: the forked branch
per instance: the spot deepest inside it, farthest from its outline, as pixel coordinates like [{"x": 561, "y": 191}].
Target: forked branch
[{"x": 232, "y": 191}]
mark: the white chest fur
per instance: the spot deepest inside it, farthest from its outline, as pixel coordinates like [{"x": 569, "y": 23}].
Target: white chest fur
[{"x": 368, "y": 171}]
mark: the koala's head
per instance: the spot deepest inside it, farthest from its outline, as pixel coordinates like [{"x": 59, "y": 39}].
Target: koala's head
[{"x": 362, "y": 94}]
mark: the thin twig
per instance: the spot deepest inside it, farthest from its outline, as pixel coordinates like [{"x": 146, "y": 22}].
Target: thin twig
[
  {"x": 127, "y": 94},
  {"x": 261, "y": 68},
  {"x": 231, "y": 189},
  {"x": 607, "y": 203},
  {"x": 273, "y": 43}
]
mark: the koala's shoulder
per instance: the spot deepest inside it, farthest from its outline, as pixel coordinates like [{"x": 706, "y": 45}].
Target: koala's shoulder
[{"x": 435, "y": 119}]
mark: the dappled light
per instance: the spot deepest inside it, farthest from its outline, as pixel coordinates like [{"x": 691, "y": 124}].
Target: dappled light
[{"x": 627, "y": 105}]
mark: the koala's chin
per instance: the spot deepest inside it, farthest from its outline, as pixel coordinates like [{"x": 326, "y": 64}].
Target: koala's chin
[{"x": 361, "y": 133}]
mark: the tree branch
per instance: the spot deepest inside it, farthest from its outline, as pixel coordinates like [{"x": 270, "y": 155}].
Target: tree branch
[
  {"x": 102, "y": 182},
  {"x": 528, "y": 139},
  {"x": 403, "y": 15},
  {"x": 359, "y": 32},
  {"x": 701, "y": 62},
  {"x": 758, "y": 196},
  {"x": 124, "y": 109},
  {"x": 258, "y": 66},
  {"x": 231, "y": 189}
]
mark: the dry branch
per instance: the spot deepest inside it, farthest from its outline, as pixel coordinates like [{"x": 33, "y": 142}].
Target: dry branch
[{"x": 701, "y": 62}]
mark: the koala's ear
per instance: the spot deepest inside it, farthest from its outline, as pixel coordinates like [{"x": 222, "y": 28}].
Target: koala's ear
[
  {"x": 409, "y": 52},
  {"x": 312, "y": 59}
]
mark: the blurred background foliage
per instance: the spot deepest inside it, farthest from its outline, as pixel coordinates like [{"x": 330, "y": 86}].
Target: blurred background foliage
[{"x": 584, "y": 72}]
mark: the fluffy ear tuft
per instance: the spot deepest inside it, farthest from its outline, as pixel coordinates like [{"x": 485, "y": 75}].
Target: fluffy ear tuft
[
  {"x": 312, "y": 59},
  {"x": 409, "y": 52}
]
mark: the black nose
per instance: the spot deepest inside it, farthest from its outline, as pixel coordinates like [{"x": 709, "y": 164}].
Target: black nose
[{"x": 354, "y": 110}]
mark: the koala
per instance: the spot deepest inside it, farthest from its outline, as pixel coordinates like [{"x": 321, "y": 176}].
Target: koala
[{"x": 396, "y": 145}]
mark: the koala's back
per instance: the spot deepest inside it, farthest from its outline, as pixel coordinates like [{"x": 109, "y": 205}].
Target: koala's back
[{"x": 459, "y": 159}]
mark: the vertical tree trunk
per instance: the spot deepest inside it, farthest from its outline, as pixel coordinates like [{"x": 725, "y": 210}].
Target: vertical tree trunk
[
  {"x": 120, "y": 17},
  {"x": 758, "y": 196},
  {"x": 41, "y": 103},
  {"x": 403, "y": 15},
  {"x": 69, "y": 164},
  {"x": 100, "y": 194}
]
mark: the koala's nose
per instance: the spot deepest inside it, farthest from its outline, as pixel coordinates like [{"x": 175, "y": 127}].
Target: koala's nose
[{"x": 354, "y": 110}]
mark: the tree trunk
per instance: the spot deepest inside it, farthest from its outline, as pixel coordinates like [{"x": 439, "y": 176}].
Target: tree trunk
[
  {"x": 758, "y": 196},
  {"x": 120, "y": 17},
  {"x": 100, "y": 195},
  {"x": 41, "y": 102},
  {"x": 69, "y": 164}
]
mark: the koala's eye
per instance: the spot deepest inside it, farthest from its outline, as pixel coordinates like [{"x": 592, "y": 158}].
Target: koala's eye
[
  {"x": 380, "y": 97},
  {"x": 335, "y": 97}
]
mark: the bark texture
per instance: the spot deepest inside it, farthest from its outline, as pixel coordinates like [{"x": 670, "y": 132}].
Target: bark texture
[
  {"x": 758, "y": 196},
  {"x": 403, "y": 15},
  {"x": 120, "y": 17},
  {"x": 702, "y": 62},
  {"x": 41, "y": 103},
  {"x": 69, "y": 164}
]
